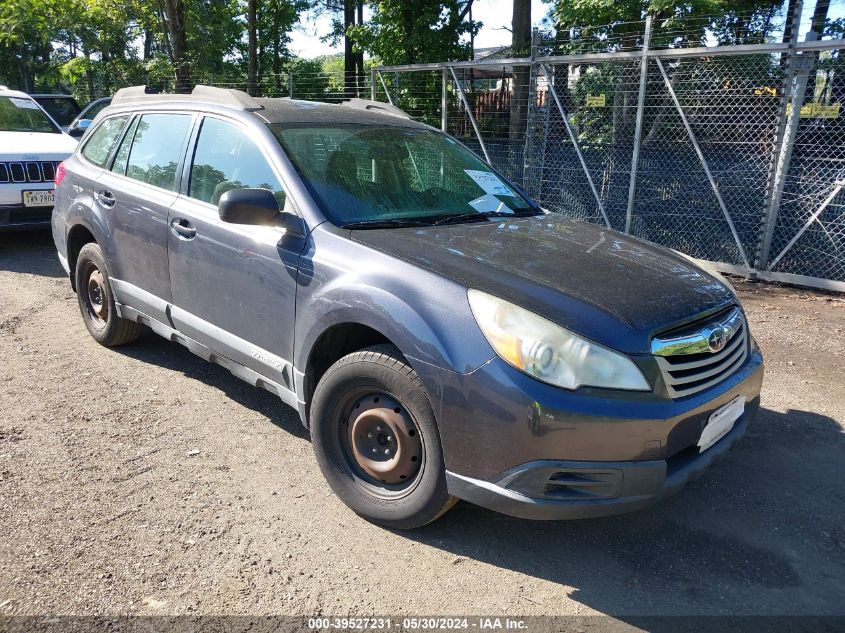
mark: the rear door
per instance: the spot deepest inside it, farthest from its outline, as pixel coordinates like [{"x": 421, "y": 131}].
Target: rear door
[
  {"x": 136, "y": 195},
  {"x": 233, "y": 285}
]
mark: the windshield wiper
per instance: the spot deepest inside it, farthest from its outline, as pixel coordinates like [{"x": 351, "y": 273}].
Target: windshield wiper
[
  {"x": 475, "y": 215},
  {"x": 389, "y": 223}
]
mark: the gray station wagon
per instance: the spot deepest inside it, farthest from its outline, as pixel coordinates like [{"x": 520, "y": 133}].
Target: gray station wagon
[{"x": 440, "y": 335}]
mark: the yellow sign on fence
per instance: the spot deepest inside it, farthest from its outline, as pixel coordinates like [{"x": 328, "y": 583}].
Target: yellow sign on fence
[
  {"x": 596, "y": 101},
  {"x": 817, "y": 111}
]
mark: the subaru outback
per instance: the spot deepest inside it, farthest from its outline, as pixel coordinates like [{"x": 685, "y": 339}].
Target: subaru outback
[{"x": 440, "y": 335}]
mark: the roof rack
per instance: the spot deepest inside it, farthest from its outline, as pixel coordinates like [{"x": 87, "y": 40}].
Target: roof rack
[
  {"x": 207, "y": 94},
  {"x": 376, "y": 106}
]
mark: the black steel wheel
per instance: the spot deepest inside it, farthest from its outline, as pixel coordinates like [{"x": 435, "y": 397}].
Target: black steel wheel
[
  {"x": 96, "y": 302},
  {"x": 376, "y": 439}
]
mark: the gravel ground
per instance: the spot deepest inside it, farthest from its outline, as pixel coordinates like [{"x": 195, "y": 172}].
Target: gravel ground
[{"x": 143, "y": 480}]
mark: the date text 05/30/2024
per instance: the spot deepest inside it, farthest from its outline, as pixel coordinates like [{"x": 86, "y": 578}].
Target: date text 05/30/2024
[{"x": 417, "y": 624}]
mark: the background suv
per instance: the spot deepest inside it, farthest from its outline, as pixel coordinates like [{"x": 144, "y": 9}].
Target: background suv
[
  {"x": 440, "y": 335},
  {"x": 31, "y": 147}
]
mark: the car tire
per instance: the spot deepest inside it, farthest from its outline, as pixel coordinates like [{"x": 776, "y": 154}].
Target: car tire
[
  {"x": 96, "y": 301},
  {"x": 376, "y": 440}
]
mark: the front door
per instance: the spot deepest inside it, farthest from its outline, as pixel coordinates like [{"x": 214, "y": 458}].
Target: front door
[{"x": 233, "y": 285}]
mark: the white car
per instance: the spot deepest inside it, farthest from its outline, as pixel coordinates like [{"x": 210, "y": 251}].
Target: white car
[{"x": 31, "y": 147}]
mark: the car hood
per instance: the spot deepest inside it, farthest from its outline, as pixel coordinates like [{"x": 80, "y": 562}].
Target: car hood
[
  {"x": 35, "y": 146},
  {"x": 614, "y": 289}
]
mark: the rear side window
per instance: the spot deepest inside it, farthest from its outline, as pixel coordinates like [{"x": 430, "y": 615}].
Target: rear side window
[
  {"x": 99, "y": 146},
  {"x": 156, "y": 149},
  {"x": 225, "y": 159},
  {"x": 122, "y": 156}
]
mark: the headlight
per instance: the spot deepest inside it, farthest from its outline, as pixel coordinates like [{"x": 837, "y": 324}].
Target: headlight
[{"x": 548, "y": 352}]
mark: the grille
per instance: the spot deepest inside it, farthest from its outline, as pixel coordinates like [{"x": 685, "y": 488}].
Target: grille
[
  {"x": 27, "y": 172},
  {"x": 687, "y": 361}
]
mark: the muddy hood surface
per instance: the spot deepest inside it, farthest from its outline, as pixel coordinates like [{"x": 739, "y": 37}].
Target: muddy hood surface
[{"x": 604, "y": 285}]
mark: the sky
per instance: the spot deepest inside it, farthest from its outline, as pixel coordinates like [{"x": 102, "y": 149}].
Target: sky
[{"x": 494, "y": 14}]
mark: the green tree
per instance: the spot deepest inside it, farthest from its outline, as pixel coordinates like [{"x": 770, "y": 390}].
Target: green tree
[{"x": 414, "y": 32}]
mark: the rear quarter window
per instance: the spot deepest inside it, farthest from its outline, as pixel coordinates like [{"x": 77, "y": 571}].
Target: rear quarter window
[{"x": 100, "y": 144}]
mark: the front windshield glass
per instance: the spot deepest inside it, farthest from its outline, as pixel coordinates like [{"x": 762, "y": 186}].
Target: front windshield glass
[
  {"x": 18, "y": 114},
  {"x": 365, "y": 175}
]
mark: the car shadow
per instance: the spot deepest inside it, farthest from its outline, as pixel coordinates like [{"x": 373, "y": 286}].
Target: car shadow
[
  {"x": 30, "y": 252},
  {"x": 761, "y": 533},
  {"x": 154, "y": 350}
]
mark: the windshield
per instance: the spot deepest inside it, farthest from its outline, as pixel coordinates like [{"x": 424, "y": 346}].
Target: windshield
[
  {"x": 18, "y": 114},
  {"x": 62, "y": 109},
  {"x": 364, "y": 175}
]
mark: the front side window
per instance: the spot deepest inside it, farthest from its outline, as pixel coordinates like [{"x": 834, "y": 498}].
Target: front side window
[
  {"x": 156, "y": 149},
  {"x": 95, "y": 109},
  {"x": 19, "y": 114},
  {"x": 100, "y": 144},
  {"x": 372, "y": 175},
  {"x": 225, "y": 159}
]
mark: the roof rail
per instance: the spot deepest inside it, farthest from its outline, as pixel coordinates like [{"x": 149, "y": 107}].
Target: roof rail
[
  {"x": 376, "y": 106},
  {"x": 207, "y": 94}
]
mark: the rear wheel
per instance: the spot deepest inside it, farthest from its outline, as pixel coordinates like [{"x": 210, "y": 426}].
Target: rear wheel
[
  {"x": 376, "y": 439},
  {"x": 96, "y": 301}
]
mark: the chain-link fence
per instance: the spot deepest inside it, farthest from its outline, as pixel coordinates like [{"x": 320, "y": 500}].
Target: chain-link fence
[{"x": 731, "y": 152}]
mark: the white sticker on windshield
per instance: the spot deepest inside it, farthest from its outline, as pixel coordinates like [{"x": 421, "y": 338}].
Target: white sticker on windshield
[
  {"x": 24, "y": 104},
  {"x": 491, "y": 183},
  {"x": 488, "y": 203}
]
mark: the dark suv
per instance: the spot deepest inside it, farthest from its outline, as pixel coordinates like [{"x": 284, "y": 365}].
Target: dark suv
[{"x": 441, "y": 336}]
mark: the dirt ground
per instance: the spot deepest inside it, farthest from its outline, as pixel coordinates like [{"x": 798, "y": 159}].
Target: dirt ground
[{"x": 104, "y": 511}]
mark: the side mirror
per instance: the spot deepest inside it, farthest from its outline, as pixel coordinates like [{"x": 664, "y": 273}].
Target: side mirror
[
  {"x": 77, "y": 128},
  {"x": 248, "y": 206},
  {"x": 257, "y": 206}
]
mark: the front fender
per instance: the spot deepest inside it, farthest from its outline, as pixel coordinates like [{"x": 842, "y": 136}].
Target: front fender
[{"x": 426, "y": 316}]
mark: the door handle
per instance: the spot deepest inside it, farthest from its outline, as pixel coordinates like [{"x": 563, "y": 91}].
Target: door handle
[
  {"x": 106, "y": 198},
  {"x": 183, "y": 228}
]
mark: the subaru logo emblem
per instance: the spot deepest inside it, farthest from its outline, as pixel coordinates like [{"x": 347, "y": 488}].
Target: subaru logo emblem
[{"x": 718, "y": 339}]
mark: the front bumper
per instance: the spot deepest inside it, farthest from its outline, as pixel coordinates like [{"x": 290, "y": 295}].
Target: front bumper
[
  {"x": 627, "y": 486},
  {"x": 530, "y": 450},
  {"x": 18, "y": 217}
]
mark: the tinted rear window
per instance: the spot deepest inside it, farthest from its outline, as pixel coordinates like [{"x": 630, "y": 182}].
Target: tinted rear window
[{"x": 62, "y": 109}]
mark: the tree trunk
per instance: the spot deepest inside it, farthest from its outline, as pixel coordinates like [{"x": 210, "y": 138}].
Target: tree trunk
[
  {"x": 252, "y": 53},
  {"x": 359, "y": 56},
  {"x": 521, "y": 44},
  {"x": 176, "y": 34},
  {"x": 277, "y": 50},
  {"x": 148, "y": 44},
  {"x": 349, "y": 7}
]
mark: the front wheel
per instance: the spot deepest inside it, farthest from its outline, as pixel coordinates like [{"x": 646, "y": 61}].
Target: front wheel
[{"x": 376, "y": 440}]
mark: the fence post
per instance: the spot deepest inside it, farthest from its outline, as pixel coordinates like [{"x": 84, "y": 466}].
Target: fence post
[
  {"x": 471, "y": 117},
  {"x": 444, "y": 98},
  {"x": 372, "y": 84},
  {"x": 798, "y": 69},
  {"x": 528, "y": 168},
  {"x": 290, "y": 84},
  {"x": 638, "y": 129}
]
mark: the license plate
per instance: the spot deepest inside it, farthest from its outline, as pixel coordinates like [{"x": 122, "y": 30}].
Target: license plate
[
  {"x": 38, "y": 198},
  {"x": 721, "y": 421}
]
